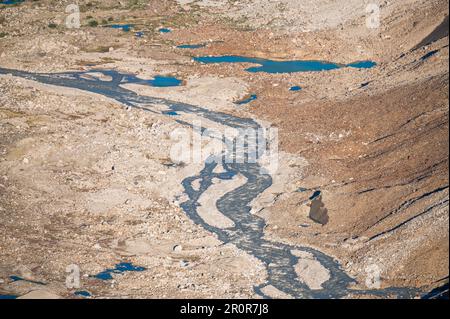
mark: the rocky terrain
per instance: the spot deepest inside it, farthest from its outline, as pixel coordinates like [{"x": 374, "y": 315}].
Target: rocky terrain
[{"x": 85, "y": 181}]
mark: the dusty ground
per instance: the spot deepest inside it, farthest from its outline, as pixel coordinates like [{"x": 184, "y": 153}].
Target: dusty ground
[{"x": 378, "y": 151}]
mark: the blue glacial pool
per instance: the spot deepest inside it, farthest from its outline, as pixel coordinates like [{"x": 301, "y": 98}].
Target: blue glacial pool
[
  {"x": 251, "y": 98},
  {"x": 170, "y": 113},
  {"x": 429, "y": 55},
  {"x": 8, "y": 297},
  {"x": 295, "y": 88},
  {"x": 165, "y": 81},
  {"x": 362, "y": 65},
  {"x": 315, "y": 195},
  {"x": 123, "y": 27},
  {"x": 271, "y": 66},
  {"x": 165, "y": 30},
  {"x": 158, "y": 81},
  {"x": 10, "y": 2},
  {"x": 118, "y": 269},
  {"x": 83, "y": 293}
]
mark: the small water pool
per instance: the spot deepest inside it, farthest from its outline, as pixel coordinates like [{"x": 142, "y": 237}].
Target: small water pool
[
  {"x": 83, "y": 293},
  {"x": 170, "y": 113},
  {"x": 118, "y": 269},
  {"x": 271, "y": 66},
  {"x": 158, "y": 81},
  {"x": 123, "y": 27},
  {"x": 362, "y": 65},
  {"x": 315, "y": 195},
  {"x": 164, "y": 30},
  {"x": 165, "y": 81},
  {"x": 16, "y": 278},
  {"x": 295, "y": 88},
  {"x": 10, "y": 2},
  {"x": 251, "y": 98},
  {"x": 8, "y": 297},
  {"x": 429, "y": 55}
]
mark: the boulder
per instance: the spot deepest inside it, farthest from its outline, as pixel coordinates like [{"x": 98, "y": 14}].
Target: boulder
[{"x": 318, "y": 212}]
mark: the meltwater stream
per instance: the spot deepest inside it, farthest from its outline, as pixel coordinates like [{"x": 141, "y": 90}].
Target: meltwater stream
[{"x": 248, "y": 232}]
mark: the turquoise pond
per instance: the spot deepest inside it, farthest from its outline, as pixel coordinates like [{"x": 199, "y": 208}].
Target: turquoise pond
[
  {"x": 165, "y": 81},
  {"x": 165, "y": 30},
  {"x": 271, "y": 66},
  {"x": 83, "y": 293},
  {"x": 295, "y": 88},
  {"x": 170, "y": 113},
  {"x": 158, "y": 81},
  {"x": 123, "y": 27},
  {"x": 362, "y": 65},
  {"x": 9, "y": 2},
  {"x": 118, "y": 269}
]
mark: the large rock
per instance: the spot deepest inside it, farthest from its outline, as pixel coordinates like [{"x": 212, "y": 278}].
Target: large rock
[{"x": 318, "y": 212}]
